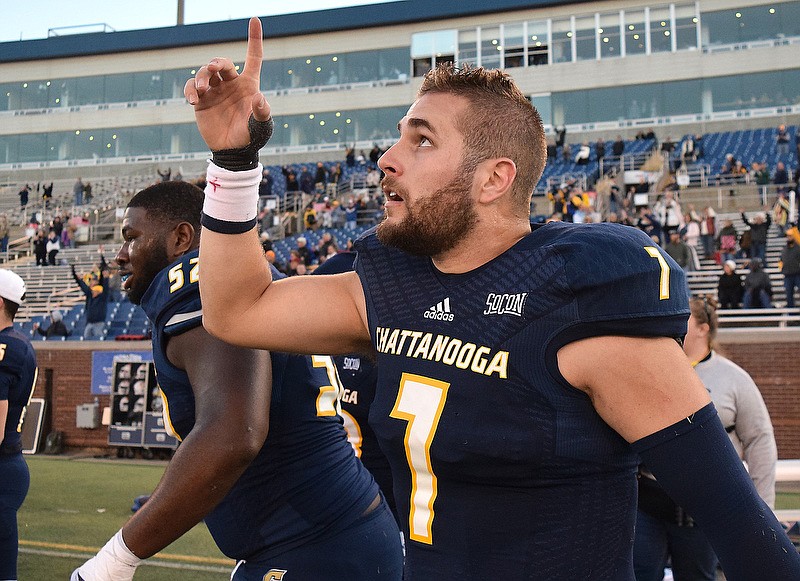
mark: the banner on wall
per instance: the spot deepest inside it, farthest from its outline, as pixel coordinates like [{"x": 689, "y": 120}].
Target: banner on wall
[
  {"x": 102, "y": 367},
  {"x": 137, "y": 406}
]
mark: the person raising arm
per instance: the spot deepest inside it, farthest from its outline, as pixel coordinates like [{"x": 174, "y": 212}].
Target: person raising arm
[{"x": 521, "y": 373}]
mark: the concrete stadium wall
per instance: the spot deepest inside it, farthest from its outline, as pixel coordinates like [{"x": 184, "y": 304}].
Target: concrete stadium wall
[{"x": 769, "y": 355}]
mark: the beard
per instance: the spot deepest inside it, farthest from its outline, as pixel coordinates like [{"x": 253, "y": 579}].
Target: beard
[
  {"x": 438, "y": 222},
  {"x": 144, "y": 276}
]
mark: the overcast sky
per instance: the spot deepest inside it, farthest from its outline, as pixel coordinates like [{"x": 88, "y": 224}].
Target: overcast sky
[{"x": 29, "y": 19}]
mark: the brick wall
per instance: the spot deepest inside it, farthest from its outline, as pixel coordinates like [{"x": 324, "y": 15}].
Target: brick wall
[{"x": 772, "y": 357}]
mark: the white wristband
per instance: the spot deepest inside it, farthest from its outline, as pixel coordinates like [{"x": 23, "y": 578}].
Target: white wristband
[
  {"x": 114, "y": 562},
  {"x": 232, "y": 196}
]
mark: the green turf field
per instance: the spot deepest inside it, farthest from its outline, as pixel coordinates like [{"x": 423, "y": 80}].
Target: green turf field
[{"x": 74, "y": 506}]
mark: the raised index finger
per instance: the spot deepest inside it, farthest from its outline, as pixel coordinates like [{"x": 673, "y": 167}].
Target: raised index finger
[{"x": 255, "y": 49}]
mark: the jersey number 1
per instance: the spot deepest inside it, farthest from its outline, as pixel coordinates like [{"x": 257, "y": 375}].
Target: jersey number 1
[{"x": 420, "y": 402}]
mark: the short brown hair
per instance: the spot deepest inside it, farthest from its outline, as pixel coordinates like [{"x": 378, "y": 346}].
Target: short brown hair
[{"x": 501, "y": 121}]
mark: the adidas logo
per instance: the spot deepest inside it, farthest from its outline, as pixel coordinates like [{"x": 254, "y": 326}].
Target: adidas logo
[{"x": 440, "y": 311}]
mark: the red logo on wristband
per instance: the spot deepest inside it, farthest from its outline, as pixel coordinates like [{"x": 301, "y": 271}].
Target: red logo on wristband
[{"x": 215, "y": 184}]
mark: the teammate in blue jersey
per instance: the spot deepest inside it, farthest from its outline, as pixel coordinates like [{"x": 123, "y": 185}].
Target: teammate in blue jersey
[
  {"x": 269, "y": 469},
  {"x": 17, "y": 380},
  {"x": 521, "y": 374},
  {"x": 359, "y": 378}
]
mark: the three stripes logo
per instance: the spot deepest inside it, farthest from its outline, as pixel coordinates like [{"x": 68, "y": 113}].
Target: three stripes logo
[{"x": 440, "y": 311}]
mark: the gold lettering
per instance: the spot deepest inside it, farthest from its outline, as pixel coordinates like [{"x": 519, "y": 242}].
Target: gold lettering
[
  {"x": 479, "y": 361},
  {"x": 415, "y": 335},
  {"x": 498, "y": 365},
  {"x": 451, "y": 352},
  {"x": 437, "y": 349},
  {"x": 465, "y": 355},
  {"x": 424, "y": 345},
  {"x": 391, "y": 343}
]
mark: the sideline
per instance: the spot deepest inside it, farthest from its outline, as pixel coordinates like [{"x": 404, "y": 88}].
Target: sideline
[{"x": 195, "y": 563}]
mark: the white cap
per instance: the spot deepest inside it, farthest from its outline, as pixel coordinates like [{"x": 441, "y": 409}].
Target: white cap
[{"x": 12, "y": 287}]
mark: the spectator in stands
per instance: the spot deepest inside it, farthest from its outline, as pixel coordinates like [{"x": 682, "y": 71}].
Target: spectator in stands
[
  {"x": 57, "y": 225},
  {"x": 87, "y": 192},
  {"x": 667, "y": 147},
  {"x": 698, "y": 146},
  {"x": 561, "y": 136},
  {"x": 727, "y": 241},
  {"x": 265, "y": 186},
  {"x": 759, "y": 229},
  {"x": 780, "y": 213},
  {"x": 687, "y": 150},
  {"x": 303, "y": 251},
  {"x": 761, "y": 176},
  {"x": 306, "y": 180},
  {"x": 52, "y": 247},
  {"x": 327, "y": 246},
  {"x": 781, "y": 177},
  {"x": 373, "y": 180},
  {"x": 650, "y": 224},
  {"x": 113, "y": 282},
  {"x": 57, "y": 327},
  {"x": 320, "y": 178},
  {"x": 618, "y": 147},
  {"x": 739, "y": 172},
  {"x": 726, "y": 170},
  {"x": 730, "y": 287},
  {"x": 295, "y": 266},
  {"x": 691, "y": 229},
  {"x": 708, "y": 230},
  {"x": 745, "y": 244},
  {"x": 552, "y": 150},
  {"x": 165, "y": 175},
  {"x": 790, "y": 264},
  {"x": 96, "y": 300},
  {"x": 375, "y": 154},
  {"x": 47, "y": 195},
  {"x": 757, "y": 287},
  {"x": 334, "y": 177},
  {"x": 350, "y": 156},
  {"x": 351, "y": 214},
  {"x": 782, "y": 141},
  {"x": 566, "y": 152},
  {"x": 24, "y": 195},
  {"x": 67, "y": 234},
  {"x": 310, "y": 218},
  {"x": 663, "y": 529},
  {"x": 600, "y": 149},
  {"x": 669, "y": 213},
  {"x": 40, "y": 247},
  {"x": 4, "y": 232},
  {"x": 797, "y": 147},
  {"x": 584, "y": 152},
  {"x": 679, "y": 250},
  {"x": 292, "y": 185},
  {"x": 77, "y": 192}
]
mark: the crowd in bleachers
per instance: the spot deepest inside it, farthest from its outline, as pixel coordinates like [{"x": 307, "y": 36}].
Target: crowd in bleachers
[{"x": 339, "y": 200}]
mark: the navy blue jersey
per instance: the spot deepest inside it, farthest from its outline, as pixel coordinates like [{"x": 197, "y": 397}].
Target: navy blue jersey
[
  {"x": 17, "y": 379},
  {"x": 359, "y": 378},
  {"x": 305, "y": 482},
  {"x": 501, "y": 469}
]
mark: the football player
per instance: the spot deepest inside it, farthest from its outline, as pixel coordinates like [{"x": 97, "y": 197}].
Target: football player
[
  {"x": 263, "y": 459},
  {"x": 522, "y": 373},
  {"x": 359, "y": 378},
  {"x": 17, "y": 380}
]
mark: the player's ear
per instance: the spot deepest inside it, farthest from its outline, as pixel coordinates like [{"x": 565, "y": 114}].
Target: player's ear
[
  {"x": 181, "y": 239},
  {"x": 496, "y": 178}
]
